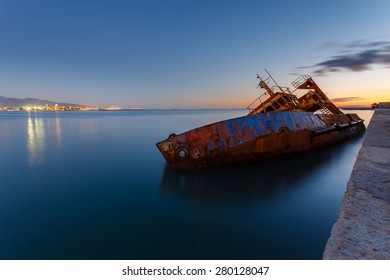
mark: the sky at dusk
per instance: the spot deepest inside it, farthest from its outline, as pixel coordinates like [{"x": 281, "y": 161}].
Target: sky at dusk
[{"x": 191, "y": 54}]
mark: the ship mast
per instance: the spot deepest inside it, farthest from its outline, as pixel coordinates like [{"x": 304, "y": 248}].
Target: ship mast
[
  {"x": 275, "y": 98},
  {"x": 264, "y": 85}
]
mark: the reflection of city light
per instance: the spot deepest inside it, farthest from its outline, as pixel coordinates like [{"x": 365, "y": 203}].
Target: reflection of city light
[
  {"x": 35, "y": 136},
  {"x": 58, "y": 130},
  {"x": 88, "y": 128}
]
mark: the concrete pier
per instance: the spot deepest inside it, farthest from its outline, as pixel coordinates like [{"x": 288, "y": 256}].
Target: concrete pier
[{"x": 362, "y": 230}]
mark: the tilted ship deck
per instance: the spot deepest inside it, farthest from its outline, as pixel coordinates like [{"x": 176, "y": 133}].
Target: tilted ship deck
[{"x": 279, "y": 123}]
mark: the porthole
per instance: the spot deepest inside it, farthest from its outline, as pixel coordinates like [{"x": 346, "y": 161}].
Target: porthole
[{"x": 182, "y": 154}]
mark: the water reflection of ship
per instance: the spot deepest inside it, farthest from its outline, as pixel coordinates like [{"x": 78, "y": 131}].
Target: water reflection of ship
[{"x": 251, "y": 182}]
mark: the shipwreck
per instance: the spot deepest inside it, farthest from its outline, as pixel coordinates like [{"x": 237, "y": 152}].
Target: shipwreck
[{"x": 280, "y": 122}]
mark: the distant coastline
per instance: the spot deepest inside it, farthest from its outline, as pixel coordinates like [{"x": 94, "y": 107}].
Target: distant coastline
[
  {"x": 356, "y": 108},
  {"x": 116, "y": 108},
  {"x": 9, "y": 104},
  {"x": 62, "y": 108}
]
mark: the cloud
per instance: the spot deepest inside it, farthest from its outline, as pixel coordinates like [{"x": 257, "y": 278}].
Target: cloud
[
  {"x": 346, "y": 99},
  {"x": 364, "y": 44},
  {"x": 357, "y": 56}
]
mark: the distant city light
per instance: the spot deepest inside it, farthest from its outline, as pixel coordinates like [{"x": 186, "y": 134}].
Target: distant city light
[{"x": 56, "y": 107}]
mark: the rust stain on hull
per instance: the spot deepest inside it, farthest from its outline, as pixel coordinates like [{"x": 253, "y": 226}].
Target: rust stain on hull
[{"x": 277, "y": 126}]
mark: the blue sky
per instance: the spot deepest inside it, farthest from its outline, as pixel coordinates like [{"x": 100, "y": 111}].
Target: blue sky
[{"x": 191, "y": 54}]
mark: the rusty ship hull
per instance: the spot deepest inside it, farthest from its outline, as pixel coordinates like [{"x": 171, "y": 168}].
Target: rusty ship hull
[
  {"x": 278, "y": 125},
  {"x": 257, "y": 138}
]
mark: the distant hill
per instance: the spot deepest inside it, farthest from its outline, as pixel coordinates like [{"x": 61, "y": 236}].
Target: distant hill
[
  {"x": 21, "y": 102},
  {"x": 356, "y": 107}
]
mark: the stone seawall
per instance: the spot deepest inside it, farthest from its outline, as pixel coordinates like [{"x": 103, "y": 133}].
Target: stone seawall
[{"x": 362, "y": 230}]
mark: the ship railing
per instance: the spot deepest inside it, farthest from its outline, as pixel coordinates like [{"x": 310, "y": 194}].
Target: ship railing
[
  {"x": 285, "y": 90},
  {"x": 325, "y": 111},
  {"x": 300, "y": 80},
  {"x": 264, "y": 96},
  {"x": 257, "y": 102}
]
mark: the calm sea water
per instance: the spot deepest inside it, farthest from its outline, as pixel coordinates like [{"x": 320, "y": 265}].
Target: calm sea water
[{"x": 92, "y": 185}]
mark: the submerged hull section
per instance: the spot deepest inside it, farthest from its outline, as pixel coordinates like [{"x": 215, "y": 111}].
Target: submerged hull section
[{"x": 257, "y": 137}]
